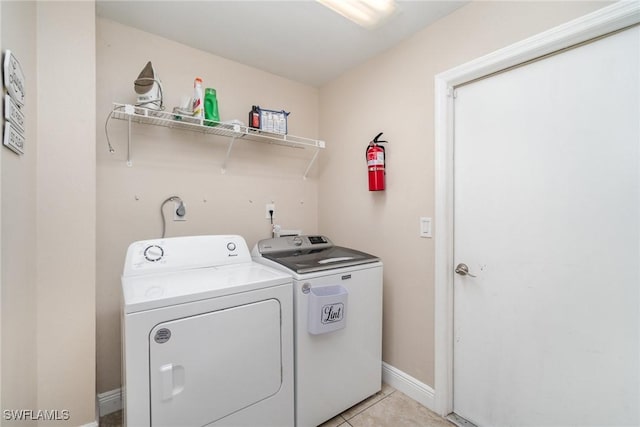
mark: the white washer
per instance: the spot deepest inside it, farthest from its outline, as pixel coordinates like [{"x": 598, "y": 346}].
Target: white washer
[
  {"x": 207, "y": 335},
  {"x": 337, "y": 323}
]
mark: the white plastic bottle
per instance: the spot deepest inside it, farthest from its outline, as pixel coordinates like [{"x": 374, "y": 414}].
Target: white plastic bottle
[{"x": 198, "y": 99}]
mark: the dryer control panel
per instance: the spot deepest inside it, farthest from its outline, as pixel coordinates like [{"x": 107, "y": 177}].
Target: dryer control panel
[{"x": 184, "y": 253}]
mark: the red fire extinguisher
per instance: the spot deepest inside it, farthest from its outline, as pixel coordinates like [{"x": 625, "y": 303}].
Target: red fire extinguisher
[{"x": 376, "y": 164}]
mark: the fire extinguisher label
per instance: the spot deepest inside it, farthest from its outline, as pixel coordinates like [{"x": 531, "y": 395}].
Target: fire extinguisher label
[{"x": 375, "y": 159}]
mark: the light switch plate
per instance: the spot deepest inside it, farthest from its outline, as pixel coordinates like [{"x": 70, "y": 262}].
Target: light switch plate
[{"x": 425, "y": 227}]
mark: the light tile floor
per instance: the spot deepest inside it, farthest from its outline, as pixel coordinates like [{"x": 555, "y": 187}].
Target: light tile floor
[{"x": 387, "y": 408}]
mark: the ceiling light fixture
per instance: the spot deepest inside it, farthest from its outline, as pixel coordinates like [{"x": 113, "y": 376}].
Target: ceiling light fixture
[{"x": 366, "y": 13}]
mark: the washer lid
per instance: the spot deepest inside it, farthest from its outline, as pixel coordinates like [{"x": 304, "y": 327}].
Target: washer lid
[
  {"x": 318, "y": 259},
  {"x": 145, "y": 292}
]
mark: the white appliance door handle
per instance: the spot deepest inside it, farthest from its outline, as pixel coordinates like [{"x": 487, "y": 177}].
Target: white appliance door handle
[
  {"x": 171, "y": 380},
  {"x": 166, "y": 380}
]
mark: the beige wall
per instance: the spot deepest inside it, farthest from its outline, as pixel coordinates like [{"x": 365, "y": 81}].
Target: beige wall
[
  {"x": 66, "y": 217},
  {"x": 48, "y": 233},
  {"x": 393, "y": 93},
  {"x": 1, "y": 288},
  {"x": 18, "y": 311},
  {"x": 170, "y": 162}
]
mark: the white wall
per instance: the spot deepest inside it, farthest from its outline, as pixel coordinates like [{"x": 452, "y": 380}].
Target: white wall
[
  {"x": 393, "y": 93},
  {"x": 171, "y": 162}
]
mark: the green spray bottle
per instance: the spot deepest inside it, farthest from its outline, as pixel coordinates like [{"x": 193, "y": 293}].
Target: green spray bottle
[{"x": 211, "y": 114}]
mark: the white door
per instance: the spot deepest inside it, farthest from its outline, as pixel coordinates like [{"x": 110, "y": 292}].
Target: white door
[
  {"x": 547, "y": 208},
  {"x": 205, "y": 367}
]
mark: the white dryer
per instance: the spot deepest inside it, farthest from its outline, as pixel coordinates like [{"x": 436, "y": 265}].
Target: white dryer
[
  {"x": 207, "y": 335},
  {"x": 337, "y": 294}
]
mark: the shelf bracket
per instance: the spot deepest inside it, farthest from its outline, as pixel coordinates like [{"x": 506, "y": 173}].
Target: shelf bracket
[
  {"x": 313, "y": 159},
  {"x": 226, "y": 158},
  {"x": 129, "y": 162}
]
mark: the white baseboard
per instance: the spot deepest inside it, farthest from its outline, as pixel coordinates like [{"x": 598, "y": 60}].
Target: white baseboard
[
  {"x": 109, "y": 401},
  {"x": 91, "y": 424},
  {"x": 410, "y": 386}
]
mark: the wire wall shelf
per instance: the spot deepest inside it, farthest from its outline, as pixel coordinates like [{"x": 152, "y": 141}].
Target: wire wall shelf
[{"x": 233, "y": 130}]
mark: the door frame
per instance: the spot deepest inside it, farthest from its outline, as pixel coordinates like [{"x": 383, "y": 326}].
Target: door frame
[{"x": 603, "y": 21}]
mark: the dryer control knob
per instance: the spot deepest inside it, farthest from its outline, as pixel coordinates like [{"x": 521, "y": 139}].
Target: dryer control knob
[
  {"x": 153, "y": 253},
  {"x": 231, "y": 246},
  {"x": 297, "y": 241}
]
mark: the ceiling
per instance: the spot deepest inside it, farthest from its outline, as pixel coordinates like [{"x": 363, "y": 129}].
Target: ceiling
[{"x": 299, "y": 40}]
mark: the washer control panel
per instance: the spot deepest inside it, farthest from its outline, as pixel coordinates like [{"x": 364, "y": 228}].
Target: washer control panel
[
  {"x": 289, "y": 243},
  {"x": 182, "y": 253}
]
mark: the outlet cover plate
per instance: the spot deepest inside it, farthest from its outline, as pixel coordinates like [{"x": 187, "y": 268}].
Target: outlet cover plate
[
  {"x": 177, "y": 217},
  {"x": 269, "y": 207}
]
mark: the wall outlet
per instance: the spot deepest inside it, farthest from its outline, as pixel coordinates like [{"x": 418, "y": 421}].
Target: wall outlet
[
  {"x": 176, "y": 206},
  {"x": 270, "y": 207}
]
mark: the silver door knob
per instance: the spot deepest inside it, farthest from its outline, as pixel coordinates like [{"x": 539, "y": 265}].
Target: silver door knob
[{"x": 463, "y": 270}]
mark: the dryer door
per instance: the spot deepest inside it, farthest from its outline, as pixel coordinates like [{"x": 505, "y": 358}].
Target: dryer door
[{"x": 205, "y": 367}]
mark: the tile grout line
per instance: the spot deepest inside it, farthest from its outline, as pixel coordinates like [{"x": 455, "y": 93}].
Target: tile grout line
[{"x": 367, "y": 408}]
